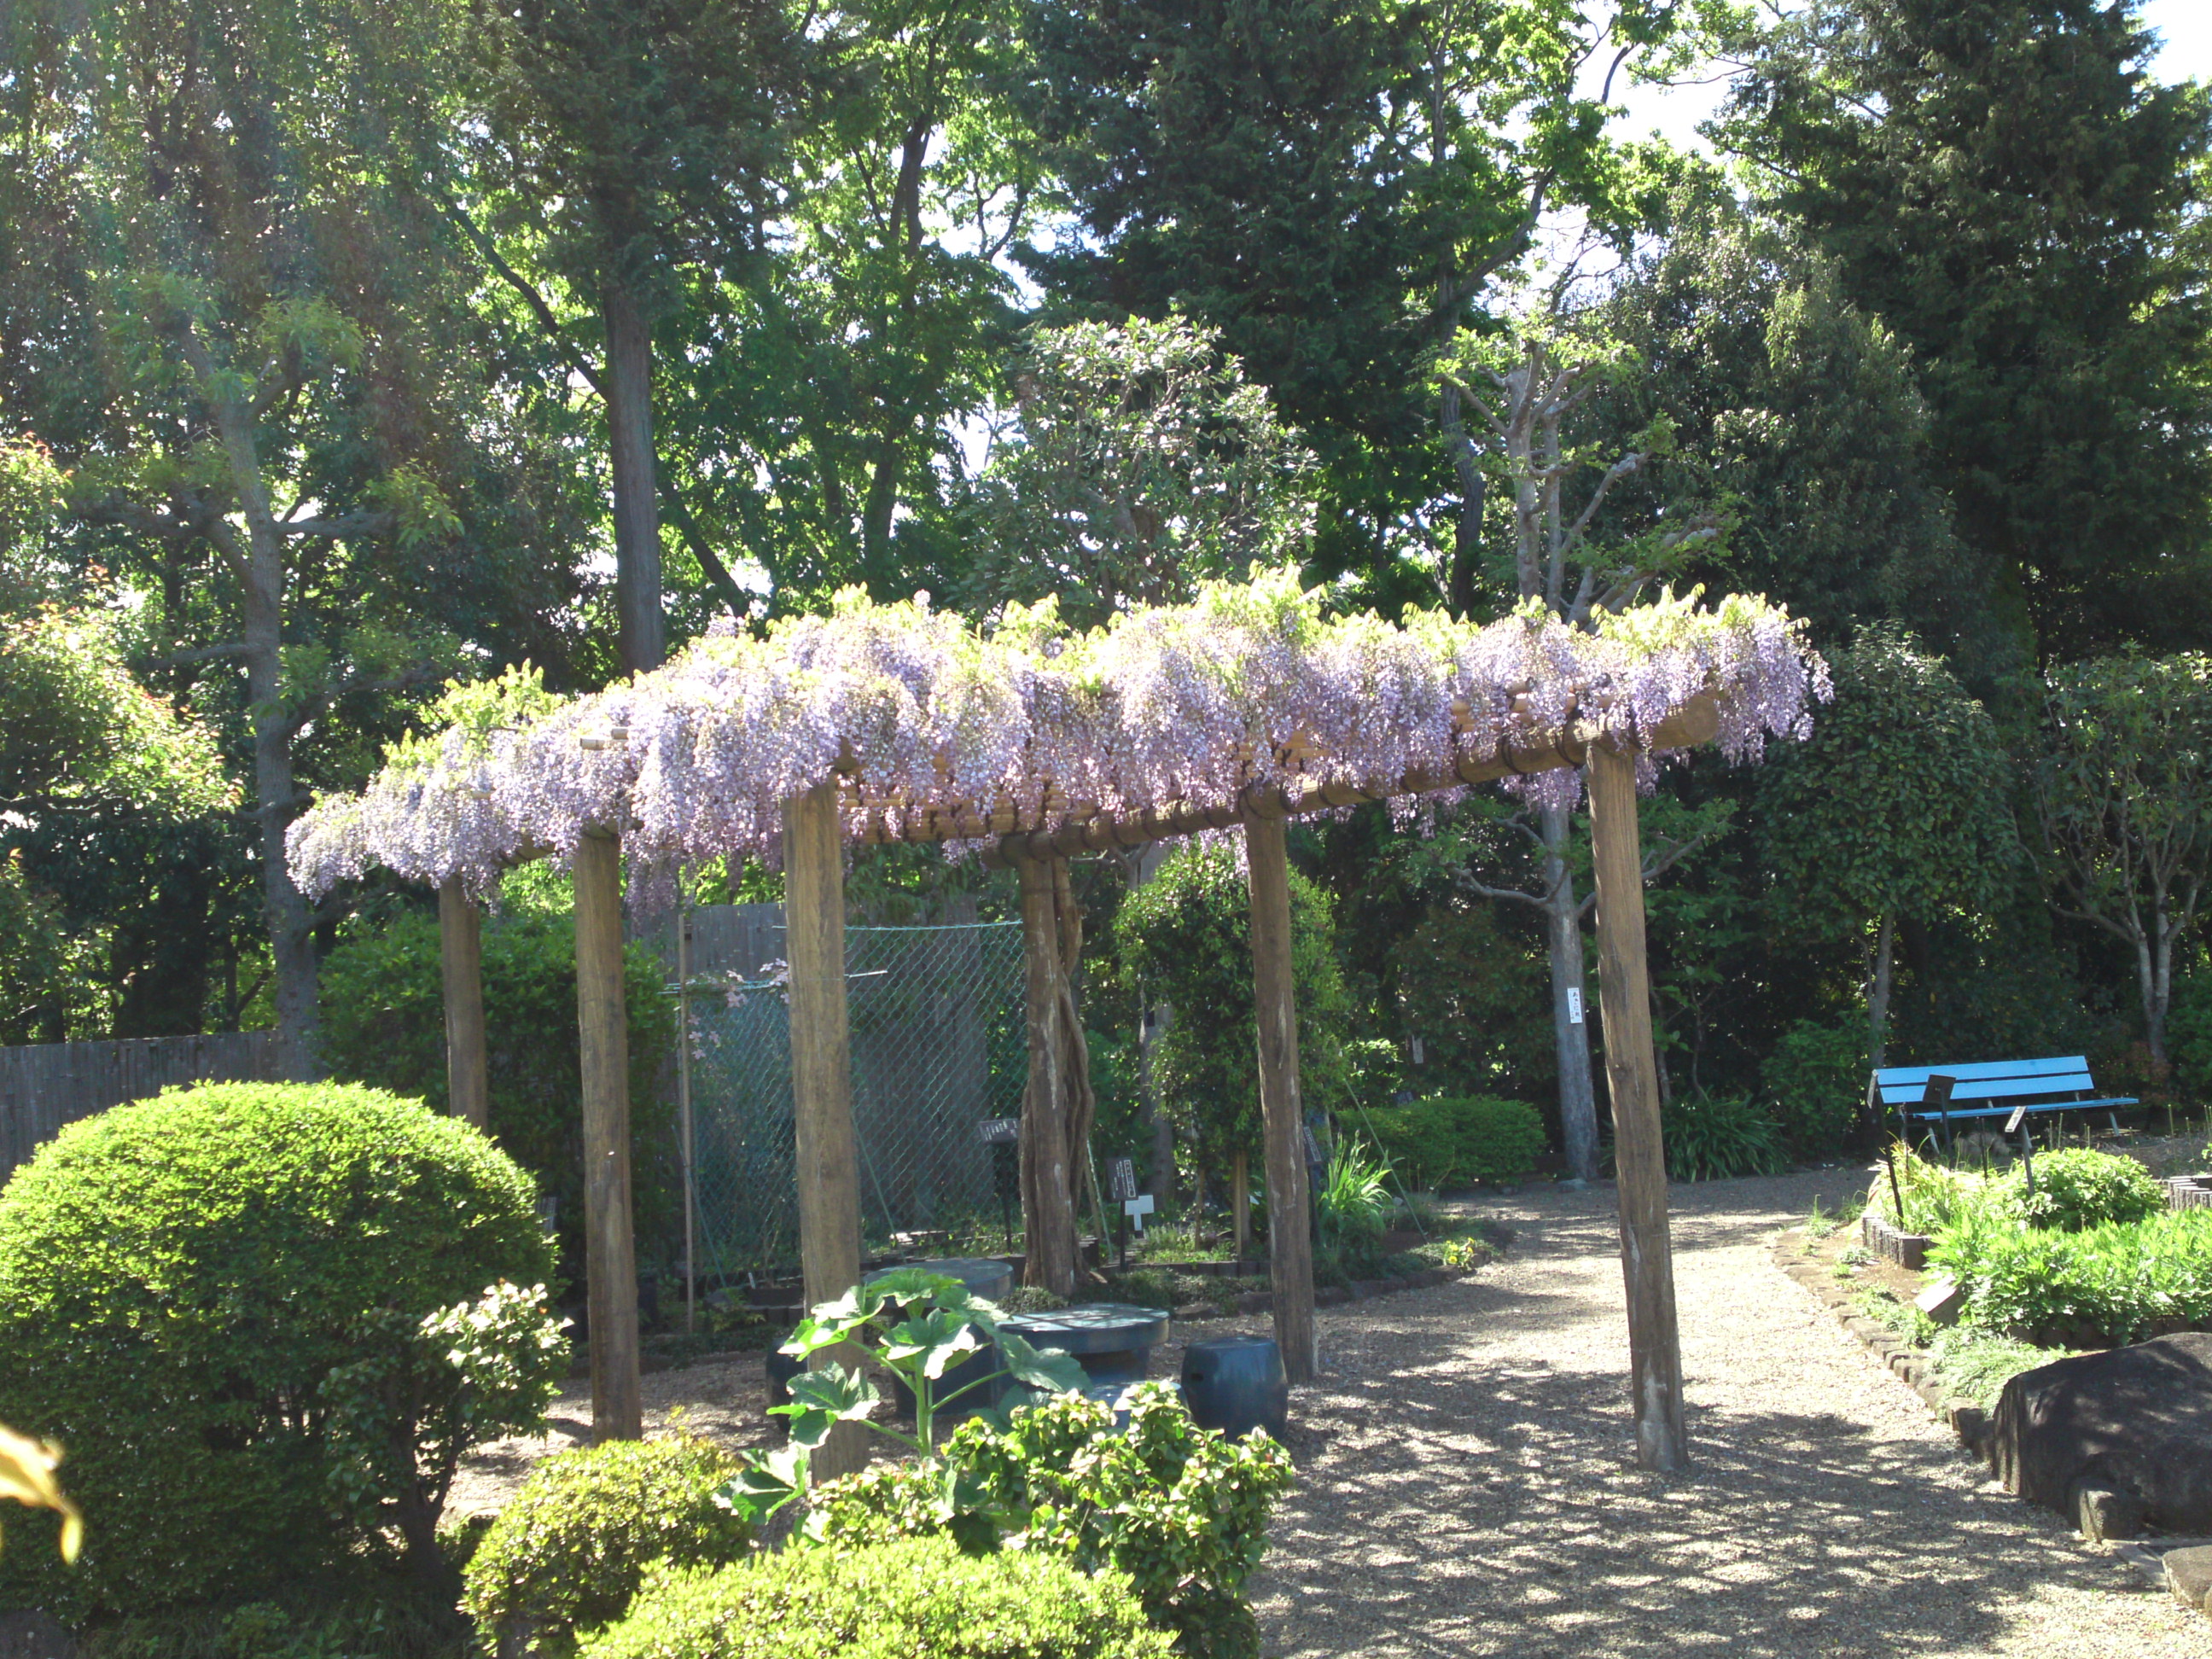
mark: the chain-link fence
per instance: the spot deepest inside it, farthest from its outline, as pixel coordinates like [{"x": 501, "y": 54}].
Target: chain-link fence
[{"x": 938, "y": 1047}]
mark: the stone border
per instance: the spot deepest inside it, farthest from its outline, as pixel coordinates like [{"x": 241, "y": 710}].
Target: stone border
[
  {"x": 1911, "y": 1364},
  {"x": 1908, "y": 1250}
]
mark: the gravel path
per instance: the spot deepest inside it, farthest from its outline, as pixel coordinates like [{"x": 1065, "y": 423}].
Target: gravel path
[{"x": 1468, "y": 1486}]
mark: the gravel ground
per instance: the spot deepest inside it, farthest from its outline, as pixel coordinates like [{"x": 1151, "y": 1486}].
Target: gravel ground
[{"x": 1467, "y": 1483}]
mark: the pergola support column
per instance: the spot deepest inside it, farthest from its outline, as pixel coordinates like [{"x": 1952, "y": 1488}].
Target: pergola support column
[
  {"x": 1632, "y": 1070},
  {"x": 1289, "y": 1238},
  {"x": 460, "y": 956},
  {"x": 1056, "y": 1102},
  {"x": 611, "y": 1257},
  {"x": 821, "y": 1080}
]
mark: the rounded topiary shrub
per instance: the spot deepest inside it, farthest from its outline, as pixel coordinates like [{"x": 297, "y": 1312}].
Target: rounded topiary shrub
[
  {"x": 896, "y": 1600},
  {"x": 264, "y": 1319},
  {"x": 566, "y": 1553}
]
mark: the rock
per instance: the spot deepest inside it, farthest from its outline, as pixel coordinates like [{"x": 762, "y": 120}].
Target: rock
[
  {"x": 2188, "y": 1576},
  {"x": 1942, "y": 1301},
  {"x": 1968, "y": 1420},
  {"x": 2135, "y": 1420},
  {"x": 2102, "y": 1513}
]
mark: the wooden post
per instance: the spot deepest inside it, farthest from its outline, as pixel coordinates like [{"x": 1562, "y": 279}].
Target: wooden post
[
  {"x": 822, "y": 1078},
  {"x": 461, "y": 954},
  {"x": 1048, "y": 1172},
  {"x": 687, "y": 1147},
  {"x": 611, "y": 1258},
  {"x": 1631, "y": 1071},
  {"x": 1289, "y": 1238}
]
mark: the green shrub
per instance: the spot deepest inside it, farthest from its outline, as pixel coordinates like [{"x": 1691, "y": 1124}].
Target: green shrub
[
  {"x": 383, "y": 1013},
  {"x": 1182, "y": 1511},
  {"x": 914, "y": 1599},
  {"x": 1717, "y": 1137},
  {"x": 1457, "y": 1140},
  {"x": 2189, "y": 1032},
  {"x": 257, "y": 1316},
  {"x": 2078, "y": 1188},
  {"x": 1933, "y": 1193},
  {"x": 2097, "y": 1288},
  {"x": 566, "y": 1555},
  {"x": 1817, "y": 1078}
]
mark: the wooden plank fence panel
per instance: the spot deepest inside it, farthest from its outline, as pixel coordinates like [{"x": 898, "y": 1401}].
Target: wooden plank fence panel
[{"x": 47, "y": 1086}]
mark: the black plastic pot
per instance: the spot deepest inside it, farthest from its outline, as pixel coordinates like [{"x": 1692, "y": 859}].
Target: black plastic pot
[{"x": 1236, "y": 1384}]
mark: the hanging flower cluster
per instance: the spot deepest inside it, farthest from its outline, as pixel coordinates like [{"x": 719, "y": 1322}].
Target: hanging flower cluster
[{"x": 934, "y": 730}]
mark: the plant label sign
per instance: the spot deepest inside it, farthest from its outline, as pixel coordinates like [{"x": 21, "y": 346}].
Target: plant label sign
[
  {"x": 1121, "y": 1179},
  {"x": 1138, "y": 1208},
  {"x": 999, "y": 1131},
  {"x": 2012, "y": 1123},
  {"x": 1574, "y": 1005}
]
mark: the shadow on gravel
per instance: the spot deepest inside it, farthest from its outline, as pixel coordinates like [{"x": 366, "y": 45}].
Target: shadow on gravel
[{"x": 1467, "y": 1484}]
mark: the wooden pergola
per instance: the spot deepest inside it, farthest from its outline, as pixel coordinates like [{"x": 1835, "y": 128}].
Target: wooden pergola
[{"x": 1287, "y": 778}]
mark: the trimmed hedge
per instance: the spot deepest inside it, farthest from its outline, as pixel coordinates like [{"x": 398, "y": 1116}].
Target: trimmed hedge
[
  {"x": 226, "y": 1303},
  {"x": 2078, "y": 1188},
  {"x": 1457, "y": 1140},
  {"x": 566, "y": 1556},
  {"x": 914, "y": 1599}
]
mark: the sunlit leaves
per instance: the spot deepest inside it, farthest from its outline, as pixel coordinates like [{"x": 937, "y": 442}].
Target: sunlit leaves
[{"x": 26, "y": 1475}]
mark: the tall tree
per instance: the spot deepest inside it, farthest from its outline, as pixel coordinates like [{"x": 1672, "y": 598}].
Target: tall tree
[
  {"x": 1333, "y": 184},
  {"x": 1896, "y": 806},
  {"x": 816, "y": 413},
  {"x": 2124, "y": 788},
  {"x": 2004, "y": 184},
  {"x": 632, "y": 148},
  {"x": 254, "y": 423},
  {"x": 1798, "y": 415}
]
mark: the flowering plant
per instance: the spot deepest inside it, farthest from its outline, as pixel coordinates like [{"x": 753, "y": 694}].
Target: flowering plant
[{"x": 936, "y": 729}]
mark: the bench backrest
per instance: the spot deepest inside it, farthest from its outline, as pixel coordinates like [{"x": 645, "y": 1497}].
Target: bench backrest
[{"x": 1989, "y": 1079}]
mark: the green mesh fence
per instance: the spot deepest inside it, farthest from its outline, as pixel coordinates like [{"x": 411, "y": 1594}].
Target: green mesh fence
[{"x": 937, "y": 1046}]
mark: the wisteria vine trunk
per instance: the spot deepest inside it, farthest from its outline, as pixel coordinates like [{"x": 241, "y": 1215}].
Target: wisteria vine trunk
[
  {"x": 1058, "y": 1103},
  {"x": 1563, "y": 931}
]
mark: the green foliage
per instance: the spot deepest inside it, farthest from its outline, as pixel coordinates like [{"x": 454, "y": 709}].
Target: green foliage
[
  {"x": 1796, "y": 412},
  {"x": 1354, "y": 1203},
  {"x": 257, "y": 1315},
  {"x": 2078, "y": 1188},
  {"x": 1816, "y": 1075},
  {"x": 1186, "y": 935},
  {"x": 1144, "y": 463},
  {"x": 568, "y": 1553},
  {"x": 1897, "y": 805},
  {"x": 383, "y": 1025},
  {"x": 2008, "y": 186},
  {"x": 2188, "y": 1032},
  {"x": 2103, "y": 1286},
  {"x": 1459, "y": 1139},
  {"x": 1479, "y": 996},
  {"x": 1182, "y": 1511},
  {"x": 902, "y": 1599},
  {"x": 346, "y": 1615},
  {"x": 2124, "y": 791},
  {"x": 1934, "y": 1194},
  {"x": 1718, "y": 1137},
  {"x": 917, "y": 1326}
]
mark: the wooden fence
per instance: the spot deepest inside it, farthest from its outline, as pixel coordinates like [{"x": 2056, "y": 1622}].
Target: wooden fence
[{"x": 44, "y": 1087}]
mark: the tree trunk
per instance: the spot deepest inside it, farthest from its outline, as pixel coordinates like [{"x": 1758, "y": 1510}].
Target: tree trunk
[
  {"x": 1240, "y": 1200},
  {"x": 1057, "y": 1103},
  {"x": 1149, "y": 1032},
  {"x": 1884, "y": 950},
  {"x": 1563, "y": 937},
  {"x": 260, "y": 571},
  {"x": 629, "y": 448},
  {"x": 2157, "y": 975}
]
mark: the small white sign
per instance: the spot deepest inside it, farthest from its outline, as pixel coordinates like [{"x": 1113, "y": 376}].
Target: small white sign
[
  {"x": 2012, "y": 1123},
  {"x": 1419, "y": 1053},
  {"x": 1138, "y": 1208},
  {"x": 1574, "y": 1005}
]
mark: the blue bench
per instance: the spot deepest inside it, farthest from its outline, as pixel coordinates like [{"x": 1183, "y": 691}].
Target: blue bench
[{"x": 1989, "y": 1088}]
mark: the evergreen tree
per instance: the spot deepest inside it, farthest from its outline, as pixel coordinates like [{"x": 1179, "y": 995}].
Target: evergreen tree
[{"x": 2005, "y": 186}]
